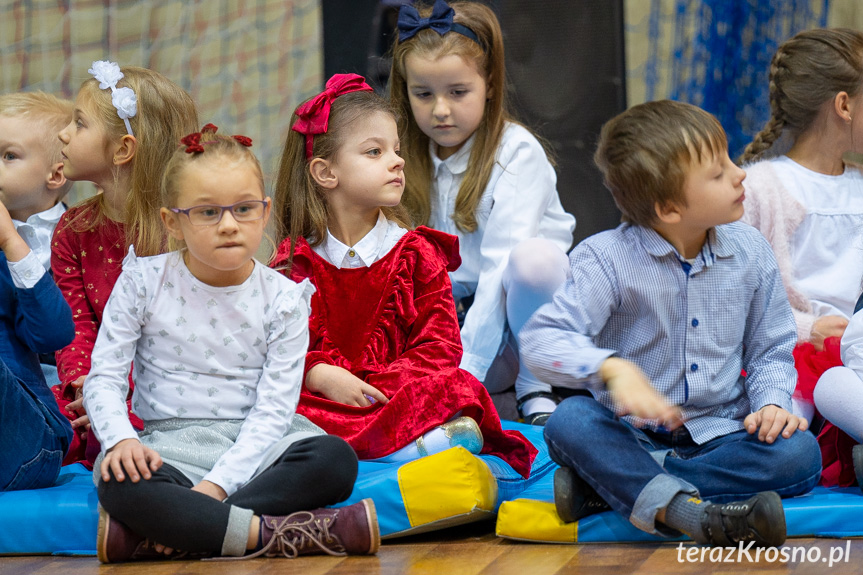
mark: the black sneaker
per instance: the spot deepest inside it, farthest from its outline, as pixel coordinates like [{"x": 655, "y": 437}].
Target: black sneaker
[
  {"x": 574, "y": 498},
  {"x": 857, "y": 456},
  {"x": 759, "y": 518}
]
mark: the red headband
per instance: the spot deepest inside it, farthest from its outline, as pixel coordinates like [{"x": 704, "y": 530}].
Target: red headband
[
  {"x": 314, "y": 116},
  {"x": 193, "y": 141}
]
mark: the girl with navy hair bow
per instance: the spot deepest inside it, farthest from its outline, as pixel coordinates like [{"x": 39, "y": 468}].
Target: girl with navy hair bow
[{"x": 475, "y": 172}]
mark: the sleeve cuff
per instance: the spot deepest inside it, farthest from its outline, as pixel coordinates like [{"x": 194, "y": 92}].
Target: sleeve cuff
[
  {"x": 770, "y": 397},
  {"x": 27, "y": 272}
]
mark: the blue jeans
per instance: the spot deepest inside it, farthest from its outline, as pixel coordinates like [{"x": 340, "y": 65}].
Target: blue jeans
[
  {"x": 30, "y": 450},
  {"x": 638, "y": 472}
]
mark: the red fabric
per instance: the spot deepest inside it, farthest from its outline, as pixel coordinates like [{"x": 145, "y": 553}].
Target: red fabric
[
  {"x": 313, "y": 116},
  {"x": 811, "y": 363},
  {"x": 86, "y": 266},
  {"x": 393, "y": 325},
  {"x": 836, "y": 463}
]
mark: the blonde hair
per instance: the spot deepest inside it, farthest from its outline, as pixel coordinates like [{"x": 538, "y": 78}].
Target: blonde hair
[
  {"x": 489, "y": 61},
  {"x": 166, "y": 113},
  {"x": 51, "y": 113},
  {"x": 216, "y": 147},
  {"x": 646, "y": 152},
  {"x": 300, "y": 206},
  {"x": 806, "y": 71}
]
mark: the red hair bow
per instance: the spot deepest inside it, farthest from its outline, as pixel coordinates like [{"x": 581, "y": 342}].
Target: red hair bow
[
  {"x": 313, "y": 117},
  {"x": 194, "y": 144}
]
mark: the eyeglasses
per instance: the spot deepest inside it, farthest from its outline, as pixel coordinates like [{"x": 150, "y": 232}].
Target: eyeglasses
[{"x": 207, "y": 215}]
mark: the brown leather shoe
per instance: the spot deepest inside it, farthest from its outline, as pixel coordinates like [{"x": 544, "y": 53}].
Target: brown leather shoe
[
  {"x": 116, "y": 543},
  {"x": 341, "y": 531}
]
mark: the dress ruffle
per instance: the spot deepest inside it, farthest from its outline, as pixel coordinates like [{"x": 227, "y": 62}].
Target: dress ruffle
[{"x": 393, "y": 325}]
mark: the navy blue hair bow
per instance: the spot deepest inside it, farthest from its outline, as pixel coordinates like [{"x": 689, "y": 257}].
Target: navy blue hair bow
[{"x": 441, "y": 21}]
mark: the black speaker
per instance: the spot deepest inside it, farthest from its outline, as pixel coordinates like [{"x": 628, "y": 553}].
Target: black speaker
[{"x": 565, "y": 64}]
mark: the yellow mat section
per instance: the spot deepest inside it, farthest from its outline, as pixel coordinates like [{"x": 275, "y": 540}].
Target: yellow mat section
[
  {"x": 531, "y": 520},
  {"x": 449, "y": 483}
]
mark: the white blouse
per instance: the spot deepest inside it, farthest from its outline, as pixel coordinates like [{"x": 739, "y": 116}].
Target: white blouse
[
  {"x": 201, "y": 352},
  {"x": 374, "y": 245},
  {"x": 827, "y": 247},
  {"x": 520, "y": 202}
]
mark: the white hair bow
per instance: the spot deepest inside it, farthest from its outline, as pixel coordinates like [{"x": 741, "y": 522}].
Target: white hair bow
[{"x": 124, "y": 99}]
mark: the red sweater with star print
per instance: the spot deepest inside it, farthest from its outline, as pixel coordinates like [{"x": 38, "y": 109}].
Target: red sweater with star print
[{"x": 86, "y": 261}]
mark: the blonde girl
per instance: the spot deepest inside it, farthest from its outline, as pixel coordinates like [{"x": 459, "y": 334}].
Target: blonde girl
[
  {"x": 120, "y": 138},
  {"x": 474, "y": 172},
  {"x": 382, "y": 367},
  {"x": 223, "y": 466}
]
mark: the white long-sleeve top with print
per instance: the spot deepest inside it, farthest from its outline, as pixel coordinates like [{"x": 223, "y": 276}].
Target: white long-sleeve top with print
[
  {"x": 519, "y": 202},
  {"x": 201, "y": 352}
]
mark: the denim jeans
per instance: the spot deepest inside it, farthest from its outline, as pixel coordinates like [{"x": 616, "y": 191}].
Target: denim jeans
[
  {"x": 638, "y": 472},
  {"x": 30, "y": 450}
]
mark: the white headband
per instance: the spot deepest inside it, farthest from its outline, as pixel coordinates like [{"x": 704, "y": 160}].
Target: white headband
[{"x": 124, "y": 99}]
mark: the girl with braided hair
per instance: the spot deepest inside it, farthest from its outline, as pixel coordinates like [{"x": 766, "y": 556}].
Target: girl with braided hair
[{"x": 808, "y": 202}]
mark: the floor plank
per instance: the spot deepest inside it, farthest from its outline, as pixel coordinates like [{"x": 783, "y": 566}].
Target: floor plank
[{"x": 474, "y": 550}]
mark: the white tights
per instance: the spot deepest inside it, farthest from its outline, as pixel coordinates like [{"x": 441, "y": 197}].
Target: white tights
[
  {"x": 537, "y": 267},
  {"x": 839, "y": 397},
  {"x": 435, "y": 441}
]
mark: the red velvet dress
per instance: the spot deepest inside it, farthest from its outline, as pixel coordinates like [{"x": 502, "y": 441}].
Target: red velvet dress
[
  {"x": 85, "y": 265},
  {"x": 836, "y": 462},
  {"x": 393, "y": 325}
]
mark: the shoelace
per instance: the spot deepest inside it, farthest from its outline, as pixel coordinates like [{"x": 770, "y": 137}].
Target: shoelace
[
  {"x": 734, "y": 524},
  {"x": 290, "y": 537}
]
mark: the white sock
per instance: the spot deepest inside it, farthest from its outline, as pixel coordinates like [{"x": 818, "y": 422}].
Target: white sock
[{"x": 538, "y": 405}]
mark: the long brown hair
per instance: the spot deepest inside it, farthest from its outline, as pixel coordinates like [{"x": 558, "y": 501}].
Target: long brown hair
[
  {"x": 300, "y": 206},
  {"x": 806, "y": 71},
  {"x": 489, "y": 61},
  {"x": 165, "y": 114}
]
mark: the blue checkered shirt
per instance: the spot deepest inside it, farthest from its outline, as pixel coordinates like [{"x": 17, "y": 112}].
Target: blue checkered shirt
[{"x": 691, "y": 327}]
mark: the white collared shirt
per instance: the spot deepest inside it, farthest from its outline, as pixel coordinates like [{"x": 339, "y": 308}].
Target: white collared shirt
[
  {"x": 38, "y": 230},
  {"x": 519, "y": 202},
  {"x": 374, "y": 245}
]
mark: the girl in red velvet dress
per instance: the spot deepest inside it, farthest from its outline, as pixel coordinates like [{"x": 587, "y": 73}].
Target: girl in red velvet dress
[
  {"x": 121, "y": 136},
  {"x": 382, "y": 369}
]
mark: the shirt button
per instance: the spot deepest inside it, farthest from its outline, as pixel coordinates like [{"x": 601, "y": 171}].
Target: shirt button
[
  {"x": 694, "y": 322},
  {"x": 693, "y": 367},
  {"x": 352, "y": 253}
]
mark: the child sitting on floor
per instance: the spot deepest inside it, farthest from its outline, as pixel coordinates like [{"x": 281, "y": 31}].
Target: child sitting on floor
[
  {"x": 382, "y": 370},
  {"x": 223, "y": 465},
  {"x": 32, "y": 183},
  {"x": 660, "y": 317},
  {"x": 34, "y": 436},
  {"x": 29, "y": 123},
  {"x": 120, "y": 138}
]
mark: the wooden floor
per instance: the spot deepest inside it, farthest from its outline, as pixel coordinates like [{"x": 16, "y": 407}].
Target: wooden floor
[{"x": 472, "y": 550}]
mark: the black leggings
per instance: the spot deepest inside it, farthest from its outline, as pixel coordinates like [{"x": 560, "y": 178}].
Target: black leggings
[{"x": 311, "y": 473}]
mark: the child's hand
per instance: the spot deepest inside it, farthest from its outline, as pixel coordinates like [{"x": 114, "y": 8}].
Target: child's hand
[
  {"x": 827, "y": 326},
  {"x": 211, "y": 489},
  {"x": 136, "y": 458},
  {"x": 11, "y": 243},
  {"x": 771, "y": 419},
  {"x": 630, "y": 388},
  {"x": 77, "y": 406},
  {"x": 338, "y": 384}
]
